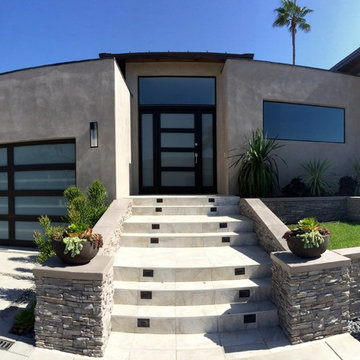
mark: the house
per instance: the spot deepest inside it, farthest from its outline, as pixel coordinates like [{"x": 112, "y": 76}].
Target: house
[{"x": 158, "y": 123}]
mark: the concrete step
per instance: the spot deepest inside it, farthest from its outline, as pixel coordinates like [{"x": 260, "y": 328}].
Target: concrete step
[
  {"x": 191, "y": 293},
  {"x": 162, "y": 200},
  {"x": 184, "y": 240},
  {"x": 186, "y": 224},
  {"x": 210, "y": 210},
  {"x": 191, "y": 264},
  {"x": 193, "y": 319}
]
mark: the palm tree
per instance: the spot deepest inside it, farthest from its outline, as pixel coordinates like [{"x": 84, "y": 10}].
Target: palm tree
[{"x": 292, "y": 16}]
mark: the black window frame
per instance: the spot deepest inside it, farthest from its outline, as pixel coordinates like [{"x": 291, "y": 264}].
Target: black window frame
[
  {"x": 11, "y": 193},
  {"x": 306, "y": 104}
]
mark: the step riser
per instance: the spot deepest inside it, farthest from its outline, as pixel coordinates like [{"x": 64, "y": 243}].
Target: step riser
[
  {"x": 193, "y": 274},
  {"x": 173, "y": 201},
  {"x": 211, "y": 211},
  {"x": 194, "y": 325},
  {"x": 194, "y": 297},
  {"x": 242, "y": 239},
  {"x": 235, "y": 226}
]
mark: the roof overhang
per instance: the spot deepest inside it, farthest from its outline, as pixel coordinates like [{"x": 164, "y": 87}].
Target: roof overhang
[{"x": 350, "y": 64}]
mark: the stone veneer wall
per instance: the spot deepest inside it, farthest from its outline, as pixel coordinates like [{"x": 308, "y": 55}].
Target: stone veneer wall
[
  {"x": 353, "y": 208},
  {"x": 291, "y": 210},
  {"x": 312, "y": 295},
  {"x": 354, "y": 255},
  {"x": 73, "y": 310},
  {"x": 110, "y": 225},
  {"x": 267, "y": 225}
]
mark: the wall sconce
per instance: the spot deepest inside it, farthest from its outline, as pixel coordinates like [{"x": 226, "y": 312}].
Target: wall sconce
[{"x": 94, "y": 134}]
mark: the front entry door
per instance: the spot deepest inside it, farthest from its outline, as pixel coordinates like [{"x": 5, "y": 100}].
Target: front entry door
[{"x": 181, "y": 152}]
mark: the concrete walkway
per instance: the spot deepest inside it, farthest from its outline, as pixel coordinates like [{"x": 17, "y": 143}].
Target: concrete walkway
[{"x": 16, "y": 288}]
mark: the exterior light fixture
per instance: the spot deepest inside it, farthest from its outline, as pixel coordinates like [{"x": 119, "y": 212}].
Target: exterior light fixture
[{"x": 94, "y": 134}]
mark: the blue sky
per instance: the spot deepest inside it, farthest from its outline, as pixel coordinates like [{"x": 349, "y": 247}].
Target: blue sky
[{"x": 39, "y": 32}]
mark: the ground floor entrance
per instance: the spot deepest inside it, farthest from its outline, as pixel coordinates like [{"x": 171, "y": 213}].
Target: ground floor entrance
[{"x": 177, "y": 151}]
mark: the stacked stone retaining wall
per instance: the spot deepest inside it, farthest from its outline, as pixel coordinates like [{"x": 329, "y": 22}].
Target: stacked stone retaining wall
[
  {"x": 73, "y": 310},
  {"x": 312, "y": 296},
  {"x": 291, "y": 210}
]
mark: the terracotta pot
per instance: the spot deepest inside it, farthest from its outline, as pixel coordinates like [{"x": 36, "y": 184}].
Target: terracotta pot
[
  {"x": 86, "y": 254},
  {"x": 296, "y": 246}
]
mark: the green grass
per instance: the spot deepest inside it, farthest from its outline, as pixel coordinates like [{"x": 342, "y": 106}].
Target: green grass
[{"x": 343, "y": 234}]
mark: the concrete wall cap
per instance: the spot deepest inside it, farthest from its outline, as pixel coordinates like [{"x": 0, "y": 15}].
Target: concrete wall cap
[
  {"x": 96, "y": 269},
  {"x": 352, "y": 253},
  {"x": 294, "y": 265},
  {"x": 308, "y": 198}
]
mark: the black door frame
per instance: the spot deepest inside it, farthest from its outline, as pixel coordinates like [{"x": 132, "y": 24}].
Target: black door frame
[{"x": 197, "y": 111}]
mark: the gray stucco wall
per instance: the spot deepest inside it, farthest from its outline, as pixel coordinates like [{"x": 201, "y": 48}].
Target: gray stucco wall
[
  {"x": 247, "y": 83},
  {"x": 59, "y": 102}
]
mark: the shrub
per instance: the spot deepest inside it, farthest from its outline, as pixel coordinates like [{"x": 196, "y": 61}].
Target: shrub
[
  {"x": 357, "y": 176},
  {"x": 296, "y": 188},
  {"x": 86, "y": 208},
  {"x": 347, "y": 186},
  {"x": 43, "y": 238},
  {"x": 315, "y": 177},
  {"x": 24, "y": 320},
  {"x": 258, "y": 171}
]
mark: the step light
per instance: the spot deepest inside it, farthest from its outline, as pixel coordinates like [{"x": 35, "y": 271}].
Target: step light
[
  {"x": 148, "y": 273},
  {"x": 143, "y": 323},
  {"x": 213, "y": 209},
  {"x": 249, "y": 318},
  {"x": 154, "y": 240},
  {"x": 225, "y": 239},
  {"x": 158, "y": 209},
  {"x": 155, "y": 226},
  {"x": 244, "y": 293},
  {"x": 159, "y": 200},
  {"x": 240, "y": 271},
  {"x": 211, "y": 200},
  {"x": 146, "y": 295},
  {"x": 223, "y": 225}
]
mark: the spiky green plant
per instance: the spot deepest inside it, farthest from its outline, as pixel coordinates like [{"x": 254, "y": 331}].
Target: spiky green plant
[
  {"x": 258, "y": 170},
  {"x": 315, "y": 177}
]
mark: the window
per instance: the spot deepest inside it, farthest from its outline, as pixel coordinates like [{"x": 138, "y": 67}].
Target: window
[
  {"x": 176, "y": 91},
  {"x": 33, "y": 177},
  {"x": 286, "y": 121}
]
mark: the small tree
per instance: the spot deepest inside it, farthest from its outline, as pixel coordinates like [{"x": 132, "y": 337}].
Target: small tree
[{"x": 293, "y": 17}]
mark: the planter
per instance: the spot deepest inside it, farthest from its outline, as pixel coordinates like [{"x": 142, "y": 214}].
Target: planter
[
  {"x": 88, "y": 252},
  {"x": 296, "y": 246}
]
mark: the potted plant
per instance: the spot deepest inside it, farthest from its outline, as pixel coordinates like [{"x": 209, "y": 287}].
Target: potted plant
[
  {"x": 308, "y": 239},
  {"x": 77, "y": 244},
  {"x": 74, "y": 244}
]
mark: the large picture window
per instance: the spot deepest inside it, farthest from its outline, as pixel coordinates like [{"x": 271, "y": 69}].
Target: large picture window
[
  {"x": 286, "y": 121},
  {"x": 33, "y": 177}
]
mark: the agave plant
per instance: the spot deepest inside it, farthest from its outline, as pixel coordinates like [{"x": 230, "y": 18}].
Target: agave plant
[
  {"x": 258, "y": 170},
  {"x": 315, "y": 177}
]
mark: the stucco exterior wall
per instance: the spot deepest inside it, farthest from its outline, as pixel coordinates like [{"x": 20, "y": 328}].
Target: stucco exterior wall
[
  {"x": 134, "y": 70},
  {"x": 59, "y": 102},
  {"x": 122, "y": 133},
  {"x": 248, "y": 83}
]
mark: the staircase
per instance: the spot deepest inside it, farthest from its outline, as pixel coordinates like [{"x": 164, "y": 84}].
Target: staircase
[{"x": 190, "y": 264}]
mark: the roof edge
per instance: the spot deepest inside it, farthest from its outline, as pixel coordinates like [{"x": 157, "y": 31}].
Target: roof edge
[
  {"x": 175, "y": 56},
  {"x": 342, "y": 64}
]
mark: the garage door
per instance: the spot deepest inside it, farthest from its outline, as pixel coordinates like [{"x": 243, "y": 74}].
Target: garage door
[{"x": 33, "y": 177}]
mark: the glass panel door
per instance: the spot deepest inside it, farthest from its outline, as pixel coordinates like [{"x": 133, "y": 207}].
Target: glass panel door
[{"x": 177, "y": 152}]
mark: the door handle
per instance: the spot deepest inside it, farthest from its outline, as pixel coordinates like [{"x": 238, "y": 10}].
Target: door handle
[{"x": 196, "y": 158}]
